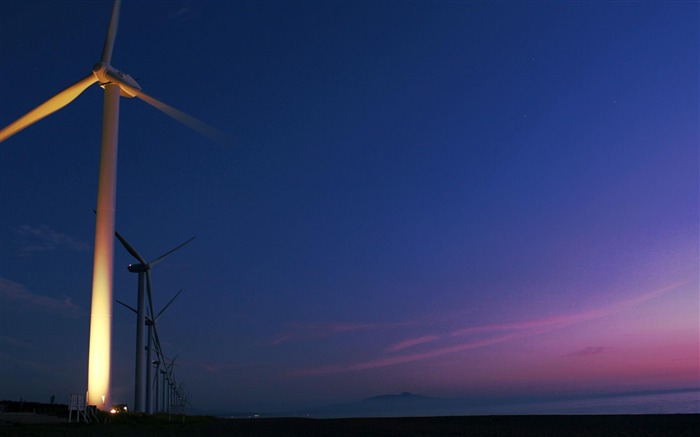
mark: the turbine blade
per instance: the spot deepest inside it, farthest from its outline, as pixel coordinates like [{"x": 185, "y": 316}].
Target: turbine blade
[
  {"x": 111, "y": 33},
  {"x": 150, "y": 298},
  {"x": 48, "y": 107},
  {"x": 156, "y": 343},
  {"x": 172, "y": 363},
  {"x": 189, "y": 121},
  {"x": 165, "y": 255},
  {"x": 171, "y": 301},
  {"x": 129, "y": 248},
  {"x": 122, "y": 303}
]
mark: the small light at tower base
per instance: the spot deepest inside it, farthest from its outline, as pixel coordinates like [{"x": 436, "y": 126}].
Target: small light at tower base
[{"x": 119, "y": 408}]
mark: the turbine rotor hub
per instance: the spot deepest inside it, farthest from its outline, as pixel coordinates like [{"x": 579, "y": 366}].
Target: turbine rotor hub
[{"x": 106, "y": 74}]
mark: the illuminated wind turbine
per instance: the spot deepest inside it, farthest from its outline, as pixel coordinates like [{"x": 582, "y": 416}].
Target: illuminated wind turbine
[
  {"x": 116, "y": 84},
  {"x": 143, "y": 268}
]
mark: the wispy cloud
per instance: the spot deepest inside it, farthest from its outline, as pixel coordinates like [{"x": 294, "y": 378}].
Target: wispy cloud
[
  {"x": 43, "y": 239},
  {"x": 13, "y": 292},
  {"x": 400, "y": 359},
  {"x": 228, "y": 367},
  {"x": 567, "y": 319},
  {"x": 11, "y": 341},
  {"x": 411, "y": 342},
  {"x": 450, "y": 342},
  {"x": 305, "y": 331},
  {"x": 183, "y": 13},
  {"x": 587, "y": 351},
  {"x": 37, "y": 366},
  {"x": 213, "y": 367}
]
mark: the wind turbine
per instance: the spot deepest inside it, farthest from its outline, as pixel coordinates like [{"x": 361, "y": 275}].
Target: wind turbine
[
  {"x": 150, "y": 322},
  {"x": 143, "y": 268},
  {"x": 167, "y": 374},
  {"x": 167, "y": 369},
  {"x": 116, "y": 84}
]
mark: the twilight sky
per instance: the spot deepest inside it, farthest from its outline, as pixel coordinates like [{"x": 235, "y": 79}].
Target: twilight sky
[{"x": 448, "y": 198}]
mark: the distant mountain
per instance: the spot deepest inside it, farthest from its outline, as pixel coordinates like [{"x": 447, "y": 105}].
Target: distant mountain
[
  {"x": 413, "y": 405},
  {"x": 403, "y": 397},
  {"x": 406, "y": 404},
  {"x": 388, "y": 405}
]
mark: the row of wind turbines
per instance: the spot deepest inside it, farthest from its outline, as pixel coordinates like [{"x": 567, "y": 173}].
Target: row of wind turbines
[
  {"x": 116, "y": 84},
  {"x": 143, "y": 393}
]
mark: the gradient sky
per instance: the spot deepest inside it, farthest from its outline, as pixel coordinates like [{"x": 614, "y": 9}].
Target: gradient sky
[{"x": 448, "y": 198}]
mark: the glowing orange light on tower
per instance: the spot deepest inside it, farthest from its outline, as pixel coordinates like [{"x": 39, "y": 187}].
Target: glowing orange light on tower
[{"x": 99, "y": 358}]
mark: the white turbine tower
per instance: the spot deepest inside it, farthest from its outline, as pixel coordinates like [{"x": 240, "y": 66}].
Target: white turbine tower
[{"x": 116, "y": 84}]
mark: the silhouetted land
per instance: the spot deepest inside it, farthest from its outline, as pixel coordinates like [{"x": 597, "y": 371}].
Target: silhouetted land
[{"x": 603, "y": 425}]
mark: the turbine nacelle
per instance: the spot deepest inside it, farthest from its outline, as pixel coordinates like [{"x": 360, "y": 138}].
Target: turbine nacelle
[
  {"x": 106, "y": 74},
  {"x": 137, "y": 268}
]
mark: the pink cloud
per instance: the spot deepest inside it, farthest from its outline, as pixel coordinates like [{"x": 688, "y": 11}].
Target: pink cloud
[
  {"x": 13, "y": 291},
  {"x": 281, "y": 339},
  {"x": 316, "y": 330},
  {"x": 411, "y": 342},
  {"x": 43, "y": 238},
  {"x": 520, "y": 330},
  {"x": 400, "y": 359},
  {"x": 568, "y": 319},
  {"x": 588, "y": 351},
  {"x": 213, "y": 367}
]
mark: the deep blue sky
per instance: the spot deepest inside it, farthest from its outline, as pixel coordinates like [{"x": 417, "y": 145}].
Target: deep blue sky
[{"x": 450, "y": 198}]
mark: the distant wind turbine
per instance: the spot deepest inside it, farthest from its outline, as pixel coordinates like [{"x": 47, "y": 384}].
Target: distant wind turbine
[
  {"x": 168, "y": 368},
  {"x": 143, "y": 268},
  {"x": 153, "y": 340},
  {"x": 168, "y": 382},
  {"x": 116, "y": 84}
]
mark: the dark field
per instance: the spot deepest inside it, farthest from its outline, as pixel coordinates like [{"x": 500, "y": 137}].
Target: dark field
[{"x": 625, "y": 425}]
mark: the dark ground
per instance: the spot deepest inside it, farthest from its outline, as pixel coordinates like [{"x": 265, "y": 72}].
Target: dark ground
[{"x": 134, "y": 425}]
